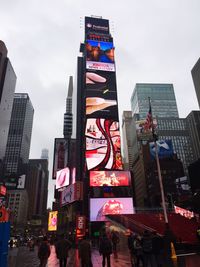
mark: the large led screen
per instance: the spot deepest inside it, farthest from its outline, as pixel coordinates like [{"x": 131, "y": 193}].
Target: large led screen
[
  {"x": 100, "y": 207},
  {"x": 60, "y": 155},
  {"x": 143, "y": 132},
  {"x": 103, "y": 146},
  {"x": 164, "y": 149},
  {"x": 96, "y": 25},
  {"x": 52, "y": 222},
  {"x": 62, "y": 178},
  {"x": 110, "y": 178},
  {"x": 101, "y": 94}
]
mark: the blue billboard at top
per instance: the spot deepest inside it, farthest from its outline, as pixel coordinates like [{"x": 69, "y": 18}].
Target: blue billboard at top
[{"x": 165, "y": 149}]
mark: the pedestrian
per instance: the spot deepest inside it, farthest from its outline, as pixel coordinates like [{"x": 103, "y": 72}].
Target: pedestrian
[
  {"x": 131, "y": 239},
  {"x": 85, "y": 252},
  {"x": 157, "y": 247},
  {"x": 168, "y": 238},
  {"x": 105, "y": 249},
  {"x": 44, "y": 252},
  {"x": 138, "y": 251},
  {"x": 115, "y": 240},
  {"x": 147, "y": 249},
  {"x": 62, "y": 247}
]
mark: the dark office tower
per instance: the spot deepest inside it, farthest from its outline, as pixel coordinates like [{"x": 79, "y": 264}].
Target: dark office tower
[
  {"x": 193, "y": 121},
  {"x": 19, "y": 137},
  {"x": 162, "y": 97},
  {"x": 67, "y": 131},
  {"x": 196, "y": 79},
  {"x": 7, "y": 88},
  {"x": 37, "y": 186}
]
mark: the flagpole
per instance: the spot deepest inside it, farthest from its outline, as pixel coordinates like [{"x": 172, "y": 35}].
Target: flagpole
[{"x": 158, "y": 169}]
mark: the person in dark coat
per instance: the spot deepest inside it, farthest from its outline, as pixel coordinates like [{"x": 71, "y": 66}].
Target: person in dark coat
[
  {"x": 44, "y": 252},
  {"x": 157, "y": 247},
  {"x": 62, "y": 248},
  {"x": 85, "y": 252},
  {"x": 168, "y": 238},
  {"x": 115, "y": 241},
  {"x": 105, "y": 249},
  {"x": 147, "y": 249}
]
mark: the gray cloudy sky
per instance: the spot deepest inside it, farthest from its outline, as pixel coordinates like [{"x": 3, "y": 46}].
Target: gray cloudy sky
[{"x": 156, "y": 41}]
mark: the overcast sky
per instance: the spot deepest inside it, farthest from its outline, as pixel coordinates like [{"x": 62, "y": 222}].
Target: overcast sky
[{"x": 156, "y": 42}]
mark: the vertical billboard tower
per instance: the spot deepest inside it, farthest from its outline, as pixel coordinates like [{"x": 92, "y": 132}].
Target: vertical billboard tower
[{"x": 109, "y": 186}]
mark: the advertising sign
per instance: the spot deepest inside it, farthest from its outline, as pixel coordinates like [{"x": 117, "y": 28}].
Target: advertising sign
[
  {"x": 62, "y": 178},
  {"x": 164, "y": 147},
  {"x": 71, "y": 193},
  {"x": 100, "y": 207},
  {"x": 21, "y": 182},
  {"x": 183, "y": 212},
  {"x": 99, "y": 51},
  {"x": 60, "y": 155},
  {"x": 80, "y": 226},
  {"x": 2, "y": 190},
  {"x": 143, "y": 132},
  {"x": 93, "y": 65},
  {"x": 103, "y": 145},
  {"x": 101, "y": 94},
  {"x": 110, "y": 178},
  {"x": 52, "y": 223},
  {"x": 96, "y": 25}
]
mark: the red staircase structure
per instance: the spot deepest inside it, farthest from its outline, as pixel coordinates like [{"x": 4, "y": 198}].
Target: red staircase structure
[{"x": 184, "y": 229}]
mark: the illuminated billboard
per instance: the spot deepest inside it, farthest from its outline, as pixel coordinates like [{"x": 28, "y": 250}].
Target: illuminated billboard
[
  {"x": 103, "y": 145},
  {"x": 143, "y": 132},
  {"x": 60, "y": 155},
  {"x": 110, "y": 178},
  {"x": 52, "y": 223},
  {"x": 71, "y": 193},
  {"x": 164, "y": 149},
  {"x": 62, "y": 178},
  {"x": 100, "y": 207},
  {"x": 96, "y": 25},
  {"x": 99, "y": 51}
]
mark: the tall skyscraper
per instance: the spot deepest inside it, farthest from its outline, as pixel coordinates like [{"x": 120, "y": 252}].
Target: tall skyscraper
[
  {"x": 162, "y": 97},
  {"x": 19, "y": 137},
  {"x": 196, "y": 79},
  {"x": 7, "y": 88},
  {"x": 67, "y": 131}
]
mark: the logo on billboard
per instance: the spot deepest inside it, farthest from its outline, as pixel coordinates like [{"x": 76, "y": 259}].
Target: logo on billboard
[{"x": 96, "y": 25}]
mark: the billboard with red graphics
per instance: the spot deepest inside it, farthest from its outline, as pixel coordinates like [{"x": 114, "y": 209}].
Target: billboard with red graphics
[
  {"x": 103, "y": 145},
  {"x": 80, "y": 226},
  {"x": 110, "y": 178}
]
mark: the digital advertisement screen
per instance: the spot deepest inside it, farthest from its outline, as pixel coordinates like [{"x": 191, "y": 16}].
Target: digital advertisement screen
[
  {"x": 60, "y": 155},
  {"x": 62, "y": 178},
  {"x": 52, "y": 223},
  {"x": 164, "y": 148},
  {"x": 143, "y": 132},
  {"x": 96, "y": 25},
  {"x": 71, "y": 193},
  {"x": 110, "y": 178},
  {"x": 103, "y": 144},
  {"x": 100, "y": 207},
  {"x": 101, "y": 94},
  {"x": 99, "y": 51}
]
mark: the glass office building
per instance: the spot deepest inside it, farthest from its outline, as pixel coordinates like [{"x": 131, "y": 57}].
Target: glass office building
[{"x": 163, "y": 101}]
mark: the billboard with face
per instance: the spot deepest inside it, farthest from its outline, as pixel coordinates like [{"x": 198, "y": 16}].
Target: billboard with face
[
  {"x": 71, "y": 193},
  {"x": 96, "y": 25},
  {"x": 62, "y": 178},
  {"x": 143, "y": 132},
  {"x": 103, "y": 146},
  {"x": 100, "y": 207},
  {"x": 164, "y": 148},
  {"x": 101, "y": 94},
  {"x": 52, "y": 223},
  {"x": 110, "y": 178},
  {"x": 60, "y": 155}
]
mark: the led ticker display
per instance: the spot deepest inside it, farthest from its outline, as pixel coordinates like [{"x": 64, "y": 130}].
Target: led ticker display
[
  {"x": 110, "y": 178},
  {"x": 103, "y": 146},
  {"x": 100, "y": 207},
  {"x": 52, "y": 223},
  {"x": 62, "y": 178}
]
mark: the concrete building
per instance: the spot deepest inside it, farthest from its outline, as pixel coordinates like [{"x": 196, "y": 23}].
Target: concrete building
[
  {"x": 196, "y": 79},
  {"x": 7, "y": 89},
  {"x": 19, "y": 136}
]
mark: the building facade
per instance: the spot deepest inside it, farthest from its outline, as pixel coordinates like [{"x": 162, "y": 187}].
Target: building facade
[
  {"x": 19, "y": 137},
  {"x": 196, "y": 79}
]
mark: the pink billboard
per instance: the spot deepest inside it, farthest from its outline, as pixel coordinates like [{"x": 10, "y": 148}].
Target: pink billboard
[
  {"x": 100, "y": 207},
  {"x": 62, "y": 178},
  {"x": 110, "y": 178}
]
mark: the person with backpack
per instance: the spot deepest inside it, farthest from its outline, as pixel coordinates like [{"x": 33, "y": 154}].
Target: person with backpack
[
  {"x": 44, "y": 252},
  {"x": 147, "y": 249},
  {"x": 62, "y": 248},
  {"x": 138, "y": 251},
  {"x": 105, "y": 249}
]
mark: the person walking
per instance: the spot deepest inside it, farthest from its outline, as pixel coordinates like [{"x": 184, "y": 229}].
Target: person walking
[
  {"x": 105, "y": 249},
  {"x": 44, "y": 252},
  {"x": 157, "y": 248},
  {"x": 85, "y": 252},
  {"x": 115, "y": 241},
  {"x": 168, "y": 238},
  {"x": 147, "y": 249},
  {"x": 131, "y": 239},
  {"x": 62, "y": 247},
  {"x": 138, "y": 251}
]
